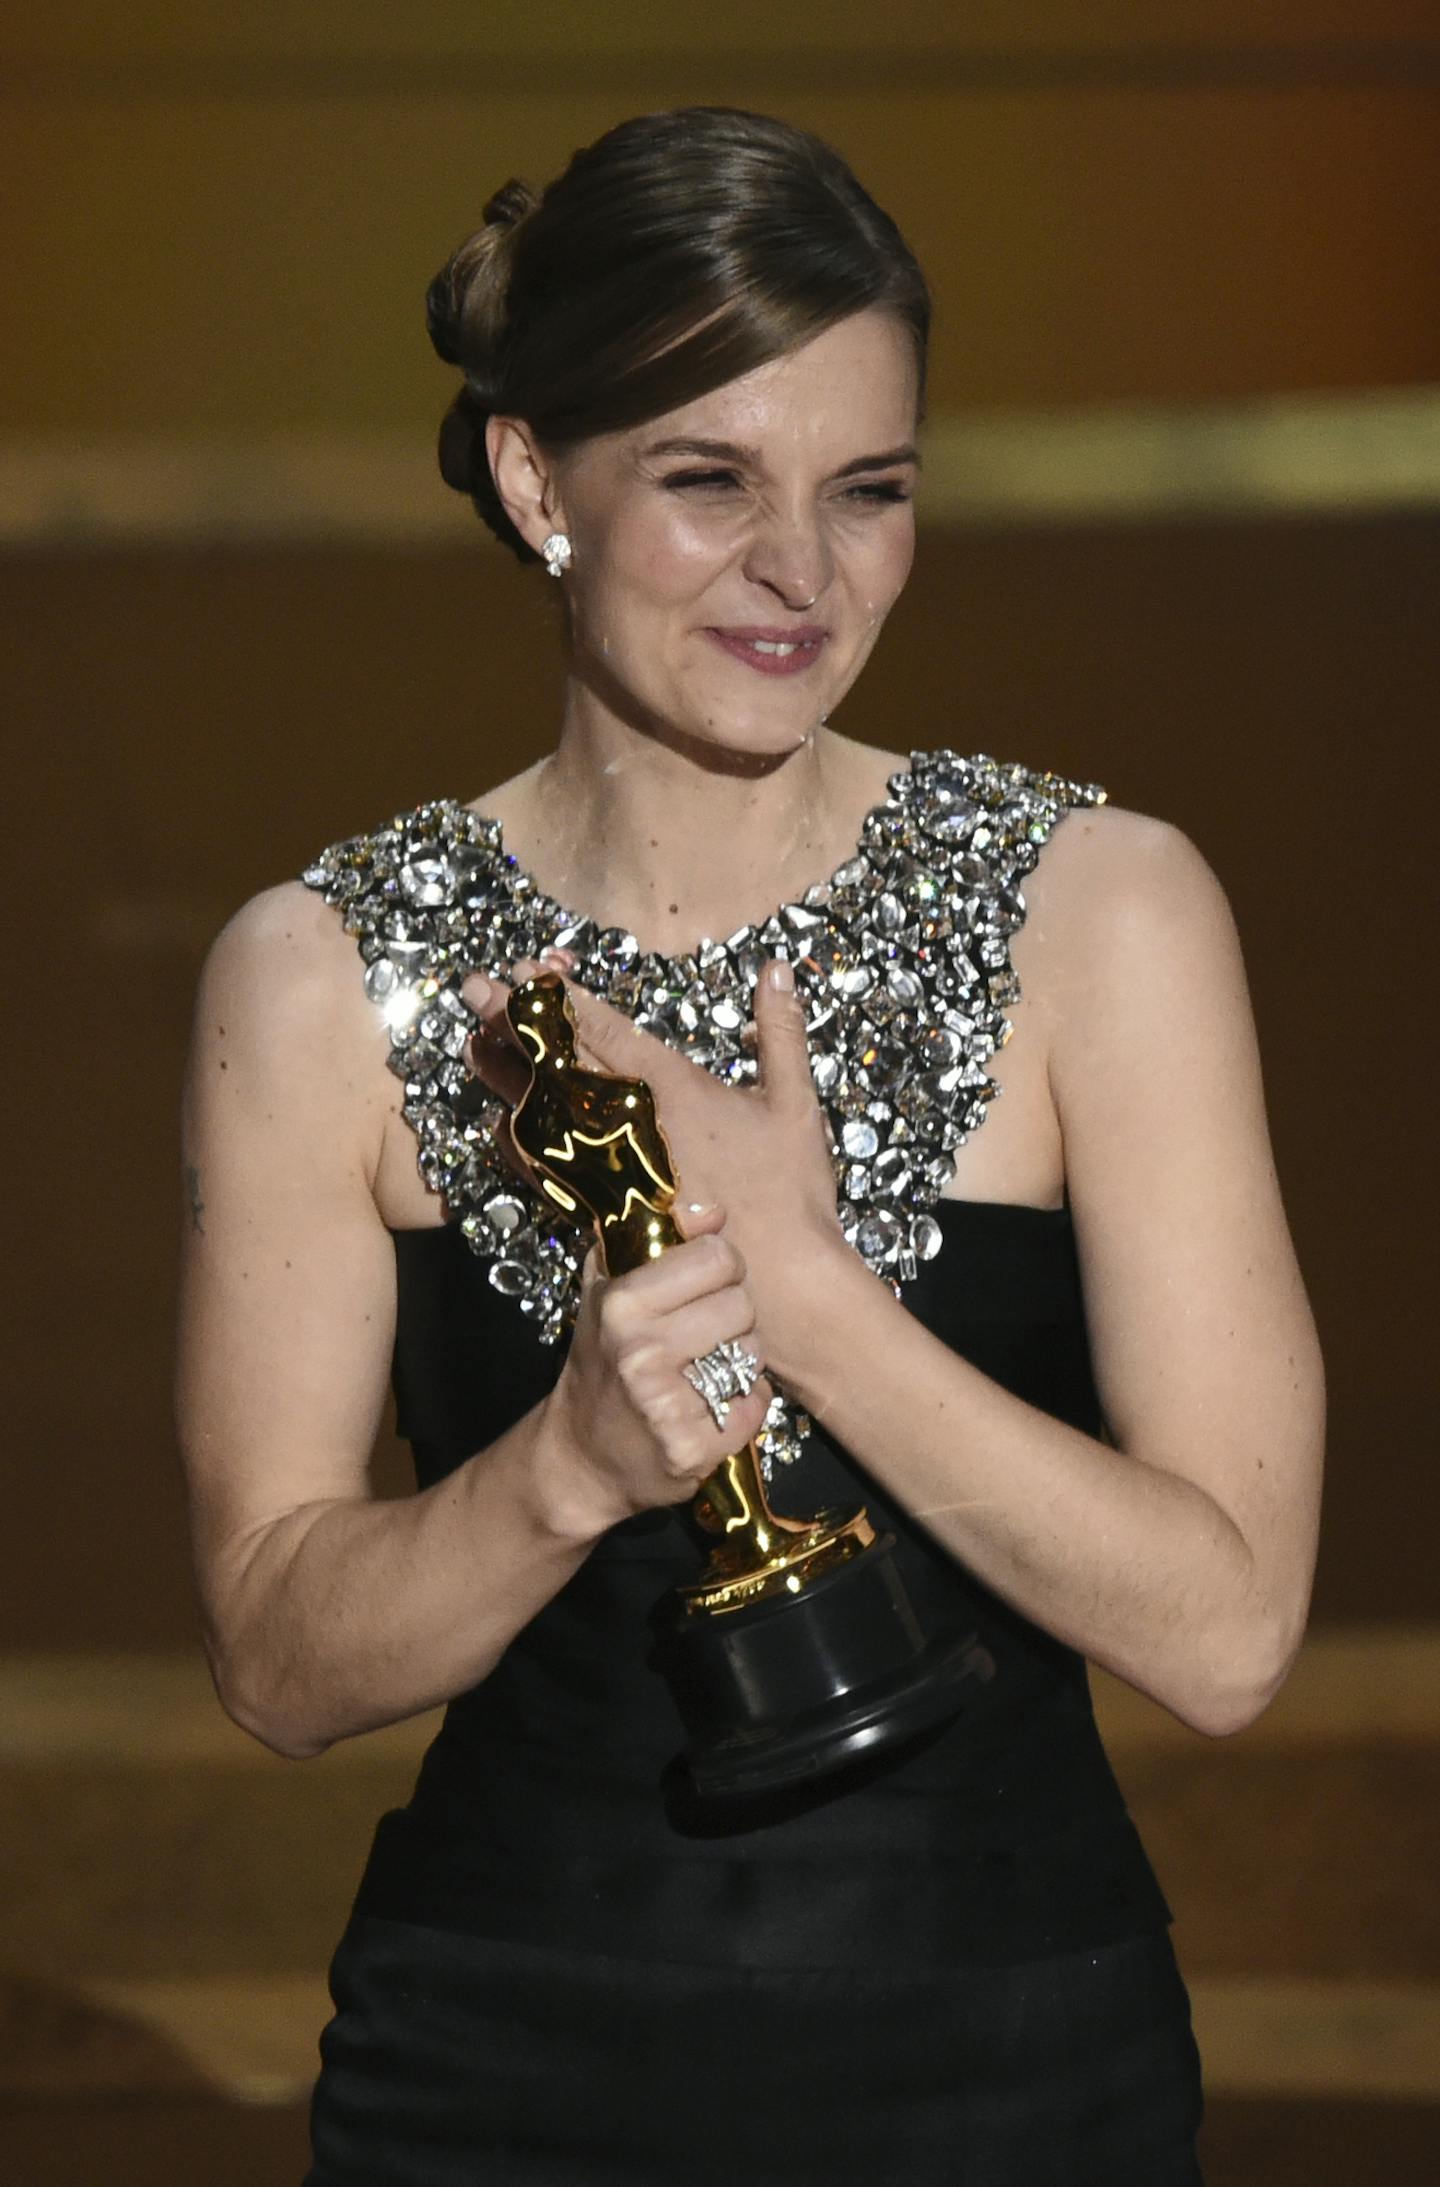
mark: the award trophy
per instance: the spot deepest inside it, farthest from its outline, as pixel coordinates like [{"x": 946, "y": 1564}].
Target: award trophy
[{"x": 797, "y": 1647}]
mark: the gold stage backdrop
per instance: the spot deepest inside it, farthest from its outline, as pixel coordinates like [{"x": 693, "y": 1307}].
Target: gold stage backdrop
[{"x": 1180, "y": 535}]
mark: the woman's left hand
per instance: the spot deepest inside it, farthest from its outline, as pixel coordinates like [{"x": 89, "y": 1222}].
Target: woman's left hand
[{"x": 762, "y": 1152}]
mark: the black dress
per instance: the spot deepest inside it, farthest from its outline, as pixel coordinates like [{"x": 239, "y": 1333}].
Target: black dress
[{"x": 949, "y": 1964}]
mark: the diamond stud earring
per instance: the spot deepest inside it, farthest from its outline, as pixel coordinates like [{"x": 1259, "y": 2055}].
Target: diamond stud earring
[{"x": 557, "y": 554}]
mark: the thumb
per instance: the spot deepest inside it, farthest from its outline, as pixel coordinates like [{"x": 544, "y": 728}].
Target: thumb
[
  {"x": 780, "y": 1038},
  {"x": 699, "y": 1218},
  {"x": 610, "y": 1039}
]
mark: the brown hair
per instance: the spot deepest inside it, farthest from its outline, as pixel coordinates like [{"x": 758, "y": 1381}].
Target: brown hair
[{"x": 677, "y": 252}]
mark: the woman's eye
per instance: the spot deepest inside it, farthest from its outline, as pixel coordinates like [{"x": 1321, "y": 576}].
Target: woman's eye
[
  {"x": 870, "y": 492},
  {"x": 702, "y": 478}
]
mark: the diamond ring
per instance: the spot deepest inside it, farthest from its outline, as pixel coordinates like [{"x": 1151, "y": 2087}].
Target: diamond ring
[{"x": 719, "y": 1375}]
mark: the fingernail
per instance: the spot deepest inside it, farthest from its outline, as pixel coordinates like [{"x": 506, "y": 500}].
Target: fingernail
[
  {"x": 782, "y": 977},
  {"x": 480, "y": 992}
]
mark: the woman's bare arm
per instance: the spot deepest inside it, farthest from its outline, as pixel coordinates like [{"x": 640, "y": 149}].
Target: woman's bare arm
[
  {"x": 327, "y": 1612},
  {"x": 1180, "y": 1558}
]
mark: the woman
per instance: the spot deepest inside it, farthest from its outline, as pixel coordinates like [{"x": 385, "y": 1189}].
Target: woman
[{"x": 1065, "y": 1358}]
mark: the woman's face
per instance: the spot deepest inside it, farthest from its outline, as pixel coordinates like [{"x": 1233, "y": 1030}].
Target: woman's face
[{"x": 735, "y": 559}]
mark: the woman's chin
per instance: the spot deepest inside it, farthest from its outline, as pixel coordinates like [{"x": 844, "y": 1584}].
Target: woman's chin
[
  {"x": 758, "y": 744},
  {"x": 764, "y": 731}
]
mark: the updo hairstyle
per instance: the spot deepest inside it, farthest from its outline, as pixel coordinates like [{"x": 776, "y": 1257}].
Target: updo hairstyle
[{"x": 677, "y": 252}]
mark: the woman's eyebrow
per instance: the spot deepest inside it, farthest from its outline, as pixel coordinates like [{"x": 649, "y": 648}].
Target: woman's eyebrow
[
  {"x": 891, "y": 456},
  {"x": 728, "y": 451},
  {"x": 716, "y": 451}
]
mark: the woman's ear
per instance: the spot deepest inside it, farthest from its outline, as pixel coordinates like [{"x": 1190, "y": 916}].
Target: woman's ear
[{"x": 524, "y": 480}]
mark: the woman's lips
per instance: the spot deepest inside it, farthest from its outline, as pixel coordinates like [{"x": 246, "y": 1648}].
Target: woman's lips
[{"x": 771, "y": 652}]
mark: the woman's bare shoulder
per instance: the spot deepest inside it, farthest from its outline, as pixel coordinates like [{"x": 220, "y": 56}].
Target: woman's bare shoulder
[
  {"x": 1123, "y": 908},
  {"x": 1105, "y": 867},
  {"x": 281, "y": 987}
]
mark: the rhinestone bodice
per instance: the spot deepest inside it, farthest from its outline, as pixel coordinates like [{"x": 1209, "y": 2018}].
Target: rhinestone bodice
[{"x": 902, "y": 963}]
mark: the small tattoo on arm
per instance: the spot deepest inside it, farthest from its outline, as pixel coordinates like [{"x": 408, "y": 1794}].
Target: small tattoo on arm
[{"x": 197, "y": 1205}]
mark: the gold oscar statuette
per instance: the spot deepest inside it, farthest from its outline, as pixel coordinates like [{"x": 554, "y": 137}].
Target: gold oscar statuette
[{"x": 796, "y": 1647}]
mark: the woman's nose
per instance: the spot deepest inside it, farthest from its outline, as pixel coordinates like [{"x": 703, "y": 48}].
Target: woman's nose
[{"x": 791, "y": 558}]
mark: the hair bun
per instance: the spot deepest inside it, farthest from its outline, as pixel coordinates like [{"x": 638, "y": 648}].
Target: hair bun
[
  {"x": 512, "y": 203},
  {"x": 465, "y": 303},
  {"x": 442, "y": 317},
  {"x": 462, "y": 442}
]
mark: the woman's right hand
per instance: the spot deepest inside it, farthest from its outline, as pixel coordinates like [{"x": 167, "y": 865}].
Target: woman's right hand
[{"x": 628, "y": 1432}]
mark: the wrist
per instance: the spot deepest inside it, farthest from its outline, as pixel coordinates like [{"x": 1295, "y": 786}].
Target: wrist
[
  {"x": 829, "y": 1294},
  {"x": 563, "y": 1491}
]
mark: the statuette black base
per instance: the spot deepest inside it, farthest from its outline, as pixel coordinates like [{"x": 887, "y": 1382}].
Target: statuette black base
[{"x": 780, "y": 1691}]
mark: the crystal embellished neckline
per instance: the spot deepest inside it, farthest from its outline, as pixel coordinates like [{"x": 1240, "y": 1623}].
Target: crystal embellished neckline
[
  {"x": 902, "y": 962},
  {"x": 567, "y": 916}
]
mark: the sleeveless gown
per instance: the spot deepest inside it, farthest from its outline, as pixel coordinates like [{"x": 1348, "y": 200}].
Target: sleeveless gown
[{"x": 946, "y": 1964}]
